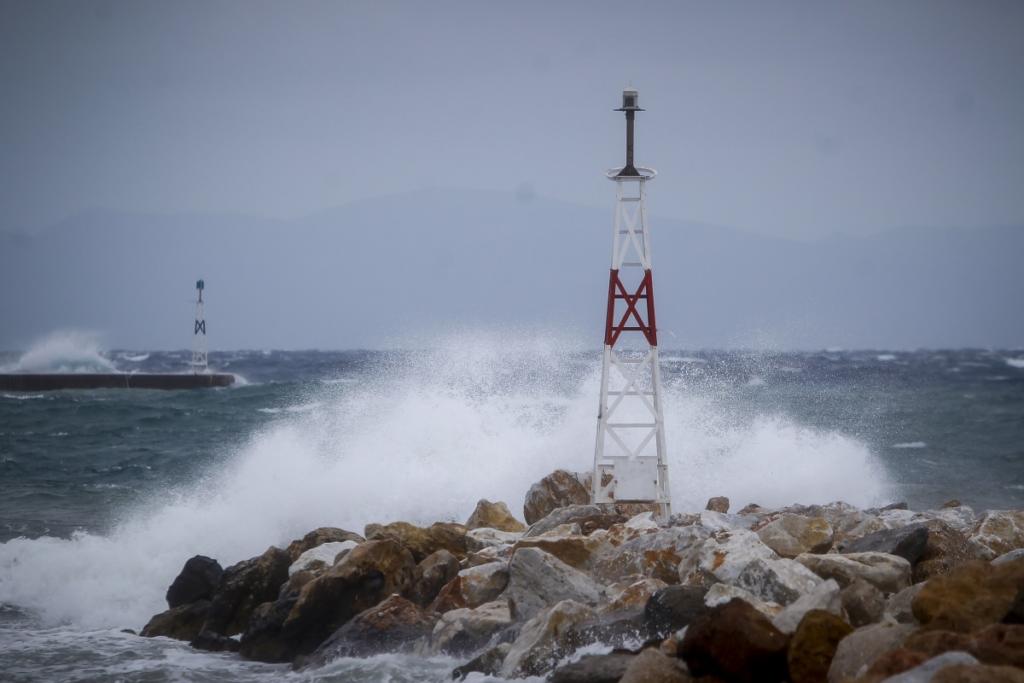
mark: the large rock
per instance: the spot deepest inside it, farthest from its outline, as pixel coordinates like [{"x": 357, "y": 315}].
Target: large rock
[
  {"x": 607, "y": 668},
  {"x": 790, "y": 535},
  {"x": 737, "y": 643},
  {"x": 545, "y": 639},
  {"x": 465, "y": 630},
  {"x": 365, "y": 576},
  {"x": 823, "y": 597},
  {"x": 656, "y": 554},
  {"x": 999, "y": 644},
  {"x": 630, "y": 595},
  {"x": 722, "y": 593},
  {"x": 483, "y": 538},
  {"x": 589, "y": 517},
  {"x": 864, "y": 604},
  {"x": 887, "y": 573},
  {"x": 718, "y": 504},
  {"x": 576, "y": 550},
  {"x": 325, "y": 534},
  {"x": 493, "y": 516},
  {"x": 488, "y": 663},
  {"x": 472, "y": 587},
  {"x": 431, "y": 575},
  {"x": 926, "y": 671},
  {"x": 183, "y": 622},
  {"x": 908, "y": 542},
  {"x": 243, "y": 587},
  {"x": 998, "y": 532},
  {"x": 320, "y": 557},
  {"x": 390, "y": 626},
  {"x": 651, "y": 666},
  {"x": 674, "y": 607},
  {"x": 970, "y": 597},
  {"x": 722, "y": 558},
  {"x": 778, "y": 581},
  {"x": 538, "y": 580},
  {"x": 422, "y": 541},
  {"x": 946, "y": 548},
  {"x": 813, "y": 645},
  {"x": 899, "y": 606},
  {"x": 558, "y": 489},
  {"x": 862, "y": 647},
  {"x": 198, "y": 580}
]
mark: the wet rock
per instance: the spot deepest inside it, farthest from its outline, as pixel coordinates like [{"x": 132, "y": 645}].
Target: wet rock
[
  {"x": 320, "y": 557},
  {"x": 968, "y": 598},
  {"x": 483, "y": 583},
  {"x": 243, "y": 587},
  {"x": 887, "y": 573},
  {"x": 823, "y": 597},
  {"x": 926, "y": 671},
  {"x": 465, "y": 630},
  {"x": 674, "y": 607},
  {"x": 538, "y": 580},
  {"x": 589, "y": 517},
  {"x": 482, "y": 538},
  {"x": 656, "y": 555},
  {"x": 779, "y": 581},
  {"x": 630, "y": 595},
  {"x": 422, "y": 541},
  {"x": 651, "y": 666},
  {"x": 183, "y": 622},
  {"x": 813, "y": 645},
  {"x": 1011, "y": 556},
  {"x": 365, "y": 576},
  {"x": 899, "y": 606},
  {"x": 214, "y": 642},
  {"x": 489, "y": 663},
  {"x": 737, "y": 643},
  {"x": 198, "y": 580},
  {"x": 390, "y": 626},
  {"x": 946, "y": 548},
  {"x": 723, "y": 521},
  {"x": 493, "y": 516},
  {"x": 622, "y": 629},
  {"x": 607, "y": 668},
  {"x": 722, "y": 558},
  {"x": 491, "y": 554},
  {"x": 862, "y": 647},
  {"x": 556, "y": 490},
  {"x": 864, "y": 604},
  {"x": 544, "y": 639},
  {"x": 430, "y": 575},
  {"x": 722, "y": 593},
  {"x": 295, "y": 582},
  {"x": 998, "y": 532},
  {"x": 790, "y": 535},
  {"x": 325, "y": 534},
  {"x": 576, "y": 551},
  {"x": 718, "y": 504},
  {"x": 908, "y": 542}
]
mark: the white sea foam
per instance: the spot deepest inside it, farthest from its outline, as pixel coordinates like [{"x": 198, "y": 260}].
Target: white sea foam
[
  {"x": 910, "y": 444},
  {"x": 65, "y": 351},
  {"x": 422, "y": 442},
  {"x": 1015, "y": 363},
  {"x": 885, "y": 357},
  {"x": 138, "y": 358}
]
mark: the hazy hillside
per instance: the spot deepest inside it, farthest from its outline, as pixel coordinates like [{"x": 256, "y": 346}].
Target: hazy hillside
[{"x": 374, "y": 272}]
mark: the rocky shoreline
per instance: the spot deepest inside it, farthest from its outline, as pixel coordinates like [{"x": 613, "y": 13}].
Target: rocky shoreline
[{"x": 586, "y": 592}]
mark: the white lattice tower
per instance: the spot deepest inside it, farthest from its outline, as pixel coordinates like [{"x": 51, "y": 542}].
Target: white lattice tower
[
  {"x": 199, "y": 364},
  {"x": 630, "y": 461}
]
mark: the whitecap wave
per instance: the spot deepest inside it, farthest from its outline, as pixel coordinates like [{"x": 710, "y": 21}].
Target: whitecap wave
[
  {"x": 910, "y": 444},
  {"x": 1015, "y": 363},
  {"x": 65, "y": 351},
  {"x": 421, "y": 442}
]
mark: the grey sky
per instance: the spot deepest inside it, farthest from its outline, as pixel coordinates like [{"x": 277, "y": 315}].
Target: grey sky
[{"x": 792, "y": 119}]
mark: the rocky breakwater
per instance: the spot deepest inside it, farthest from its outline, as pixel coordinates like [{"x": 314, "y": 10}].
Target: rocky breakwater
[{"x": 608, "y": 593}]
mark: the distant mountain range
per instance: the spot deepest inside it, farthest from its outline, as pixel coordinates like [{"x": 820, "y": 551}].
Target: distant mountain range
[{"x": 381, "y": 272}]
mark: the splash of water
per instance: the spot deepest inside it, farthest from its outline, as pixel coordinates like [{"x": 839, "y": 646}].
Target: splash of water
[
  {"x": 422, "y": 440},
  {"x": 65, "y": 351}
]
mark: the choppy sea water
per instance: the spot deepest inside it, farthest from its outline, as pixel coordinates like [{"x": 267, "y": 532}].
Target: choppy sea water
[{"x": 104, "y": 494}]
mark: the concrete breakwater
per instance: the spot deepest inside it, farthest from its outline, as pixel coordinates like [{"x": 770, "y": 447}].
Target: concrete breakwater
[
  {"x": 801, "y": 593},
  {"x": 110, "y": 380}
]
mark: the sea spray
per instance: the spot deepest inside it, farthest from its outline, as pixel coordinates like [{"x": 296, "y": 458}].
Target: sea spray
[
  {"x": 419, "y": 438},
  {"x": 64, "y": 351}
]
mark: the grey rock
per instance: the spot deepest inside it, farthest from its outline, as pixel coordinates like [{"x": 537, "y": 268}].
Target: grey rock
[
  {"x": 589, "y": 517},
  {"x": 198, "y": 580},
  {"x": 461, "y": 631},
  {"x": 923, "y": 673},
  {"x": 864, "y": 646},
  {"x": 899, "y": 606},
  {"x": 888, "y": 573},
  {"x": 780, "y": 581},
  {"x": 545, "y": 639},
  {"x": 674, "y": 607},
  {"x": 488, "y": 663},
  {"x": 825, "y": 596},
  {"x": 607, "y": 668},
  {"x": 651, "y": 666},
  {"x": 864, "y": 604},
  {"x": 718, "y": 504},
  {"x": 538, "y": 580},
  {"x": 907, "y": 542}
]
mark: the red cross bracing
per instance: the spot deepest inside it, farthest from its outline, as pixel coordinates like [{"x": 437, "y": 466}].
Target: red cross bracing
[{"x": 637, "y": 314}]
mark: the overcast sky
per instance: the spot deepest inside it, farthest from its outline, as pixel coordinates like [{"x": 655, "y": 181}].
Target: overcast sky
[{"x": 790, "y": 119}]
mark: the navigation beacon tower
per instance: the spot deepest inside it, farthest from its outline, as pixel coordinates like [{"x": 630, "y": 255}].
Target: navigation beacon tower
[
  {"x": 199, "y": 365},
  {"x": 629, "y": 456}
]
